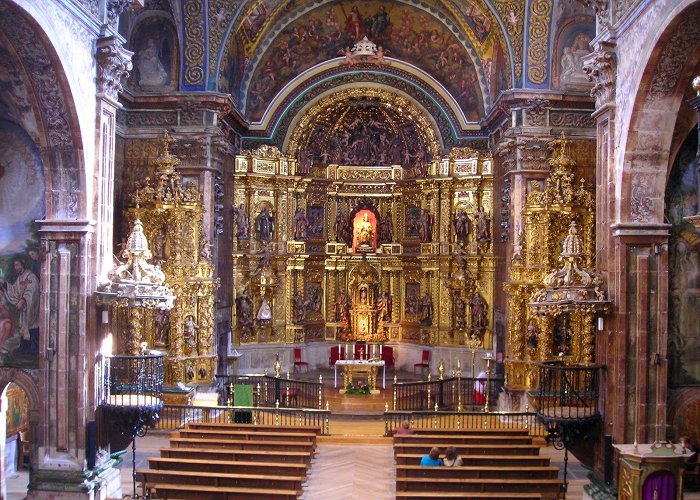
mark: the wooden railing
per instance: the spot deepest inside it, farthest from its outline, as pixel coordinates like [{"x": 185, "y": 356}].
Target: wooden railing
[
  {"x": 269, "y": 391},
  {"x": 453, "y": 393},
  {"x": 177, "y": 416},
  {"x": 464, "y": 420}
]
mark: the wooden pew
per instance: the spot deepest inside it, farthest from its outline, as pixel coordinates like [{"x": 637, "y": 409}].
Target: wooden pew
[
  {"x": 550, "y": 489},
  {"x": 503, "y": 472},
  {"x": 200, "y": 492},
  {"x": 149, "y": 477},
  {"x": 423, "y": 495},
  {"x": 244, "y": 434},
  {"x": 482, "y": 460},
  {"x": 252, "y": 427},
  {"x": 466, "y": 432},
  {"x": 242, "y": 444},
  {"x": 298, "y": 457},
  {"x": 227, "y": 466},
  {"x": 440, "y": 440},
  {"x": 469, "y": 449}
]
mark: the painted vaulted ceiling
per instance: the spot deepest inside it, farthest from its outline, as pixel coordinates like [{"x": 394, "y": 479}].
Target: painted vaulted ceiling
[{"x": 452, "y": 58}]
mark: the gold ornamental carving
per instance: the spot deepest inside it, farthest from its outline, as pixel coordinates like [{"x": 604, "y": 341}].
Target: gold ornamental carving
[{"x": 538, "y": 43}]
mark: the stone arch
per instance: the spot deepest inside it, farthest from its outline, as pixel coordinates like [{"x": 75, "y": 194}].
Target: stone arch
[
  {"x": 28, "y": 384},
  {"x": 648, "y": 142},
  {"x": 27, "y": 34}
]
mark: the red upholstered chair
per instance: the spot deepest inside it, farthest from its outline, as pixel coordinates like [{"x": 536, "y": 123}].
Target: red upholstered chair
[
  {"x": 388, "y": 355},
  {"x": 298, "y": 363},
  {"x": 335, "y": 355},
  {"x": 424, "y": 362}
]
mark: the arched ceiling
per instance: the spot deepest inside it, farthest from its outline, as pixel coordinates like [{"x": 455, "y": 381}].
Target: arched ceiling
[{"x": 454, "y": 49}]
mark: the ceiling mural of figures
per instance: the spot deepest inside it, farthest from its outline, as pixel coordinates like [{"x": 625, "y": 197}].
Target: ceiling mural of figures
[{"x": 445, "y": 45}]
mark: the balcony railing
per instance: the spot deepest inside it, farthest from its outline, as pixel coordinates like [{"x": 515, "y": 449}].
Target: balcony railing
[{"x": 568, "y": 392}]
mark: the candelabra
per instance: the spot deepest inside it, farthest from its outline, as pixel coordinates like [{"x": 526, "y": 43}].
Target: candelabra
[
  {"x": 488, "y": 358},
  {"x": 472, "y": 343}
]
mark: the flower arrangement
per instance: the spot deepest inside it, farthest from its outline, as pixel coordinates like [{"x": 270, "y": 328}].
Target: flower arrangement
[{"x": 358, "y": 387}]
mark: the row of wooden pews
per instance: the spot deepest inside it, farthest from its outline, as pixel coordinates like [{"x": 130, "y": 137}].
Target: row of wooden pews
[
  {"x": 226, "y": 461},
  {"x": 501, "y": 463}
]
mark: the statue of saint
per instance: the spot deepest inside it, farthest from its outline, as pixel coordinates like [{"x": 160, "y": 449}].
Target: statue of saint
[
  {"x": 242, "y": 223},
  {"x": 386, "y": 233},
  {"x": 460, "y": 310},
  {"x": 478, "y": 313},
  {"x": 425, "y": 226},
  {"x": 301, "y": 224},
  {"x": 266, "y": 225},
  {"x": 482, "y": 220},
  {"x": 461, "y": 226},
  {"x": 384, "y": 307},
  {"x": 365, "y": 232},
  {"x": 426, "y": 310}
]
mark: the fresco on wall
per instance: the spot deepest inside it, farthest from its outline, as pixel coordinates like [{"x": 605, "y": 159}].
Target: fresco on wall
[
  {"x": 572, "y": 45},
  {"x": 21, "y": 203},
  {"x": 404, "y": 32},
  {"x": 684, "y": 269},
  {"x": 154, "y": 46}
]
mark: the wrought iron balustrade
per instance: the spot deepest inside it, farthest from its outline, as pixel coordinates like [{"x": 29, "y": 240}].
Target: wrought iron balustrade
[
  {"x": 269, "y": 391},
  {"x": 568, "y": 392},
  {"x": 449, "y": 393}
]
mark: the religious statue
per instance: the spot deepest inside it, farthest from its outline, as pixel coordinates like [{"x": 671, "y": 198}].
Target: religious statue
[
  {"x": 190, "y": 332},
  {"x": 365, "y": 232},
  {"x": 162, "y": 322},
  {"x": 338, "y": 227},
  {"x": 426, "y": 310},
  {"x": 482, "y": 220},
  {"x": 301, "y": 224},
  {"x": 386, "y": 233},
  {"x": 533, "y": 332},
  {"x": 461, "y": 226},
  {"x": 384, "y": 307},
  {"x": 265, "y": 225},
  {"x": 460, "y": 312},
  {"x": 478, "y": 313},
  {"x": 244, "y": 310},
  {"x": 265, "y": 259},
  {"x": 342, "y": 307},
  {"x": 264, "y": 315},
  {"x": 425, "y": 226},
  {"x": 242, "y": 223},
  {"x": 299, "y": 308}
]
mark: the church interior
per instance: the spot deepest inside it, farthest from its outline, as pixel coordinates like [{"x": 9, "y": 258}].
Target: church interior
[{"x": 477, "y": 211}]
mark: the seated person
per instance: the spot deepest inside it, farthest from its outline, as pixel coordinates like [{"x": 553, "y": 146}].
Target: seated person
[
  {"x": 432, "y": 459},
  {"x": 451, "y": 458},
  {"x": 405, "y": 428},
  {"x": 691, "y": 450}
]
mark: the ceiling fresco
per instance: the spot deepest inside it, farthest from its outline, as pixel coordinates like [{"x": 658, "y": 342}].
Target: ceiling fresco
[{"x": 460, "y": 44}]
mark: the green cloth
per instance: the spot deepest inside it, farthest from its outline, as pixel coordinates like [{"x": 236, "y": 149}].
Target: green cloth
[{"x": 242, "y": 395}]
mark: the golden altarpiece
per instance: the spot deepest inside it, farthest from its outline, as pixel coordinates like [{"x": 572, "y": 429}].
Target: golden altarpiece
[
  {"x": 369, "y": 253},
  {"x": 553, "y": 298},
  {"x": 172, "y": 219}
]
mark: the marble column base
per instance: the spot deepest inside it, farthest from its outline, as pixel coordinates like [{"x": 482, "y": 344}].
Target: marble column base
[{"x": 99, "y": 484}]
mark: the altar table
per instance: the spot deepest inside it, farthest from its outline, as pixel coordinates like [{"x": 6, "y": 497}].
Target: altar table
[{"x": 359, "y": 365}]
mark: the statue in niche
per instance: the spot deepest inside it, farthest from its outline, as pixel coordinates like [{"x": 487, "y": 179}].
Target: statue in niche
[
  {"x": 264, "y": 313},
  {"x": 572, "y": 60},
  {"x": 425, "y": 226},
  {"x": 365, "y": 232},
  {"x": 162, "y": 322},
  {"x": 384, "y": 307},
  {"x": 265, "y": 225},
  {"x": 533, "y": 332},
  {"x": 161, "y": 237},
  {"x": 190, "y": 333},
  {"x": 386, "y": 232},
  {"x": 461, "y": 226},
  {"x": 482, "y": 221},
  {"x": 342, "y": 307},
  {"x": 478, "y": 313},
  {"x": 244, "y": 309},
  {"x": 426, "y": 310},
  {"x": 301, "y": 224},
  {"x": 242, "y": 223},
  {"x": 299, "y": 307}
]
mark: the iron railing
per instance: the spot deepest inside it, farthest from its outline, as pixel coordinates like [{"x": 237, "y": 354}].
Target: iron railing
[
  {"x": 464, "y": 420},
  {"x": 177, "y": 416},
  {"x": 132, "y": 381},
  {"x": 453, "y": 393},
  {"x": 271, "y": 391},
  {"x": 568, "y": 391}
]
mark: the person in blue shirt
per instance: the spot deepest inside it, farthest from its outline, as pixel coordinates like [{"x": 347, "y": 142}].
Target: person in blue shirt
[{"x": 432, "y": 459}]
